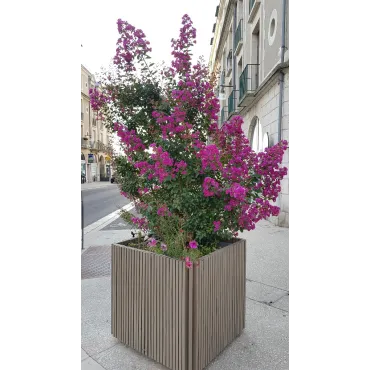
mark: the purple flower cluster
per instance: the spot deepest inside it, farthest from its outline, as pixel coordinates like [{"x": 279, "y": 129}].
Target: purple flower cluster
[
  {"x": 129, "y": 138},
  {"x": 130, "y": 45},
  {"x": 182, "y": 58},
  {"x": 98, "y": 99},
  {"x": 163, "y": 211},
  {"x": 210, "y": 187},
  {"x": 248, "y": 172},
  {"x": 210, "y": 157},
  {"x": 141, "y": 223}
]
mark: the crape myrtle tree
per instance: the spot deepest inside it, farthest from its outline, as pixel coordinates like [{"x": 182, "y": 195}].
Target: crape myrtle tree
[{"x": 194, "y": 184}]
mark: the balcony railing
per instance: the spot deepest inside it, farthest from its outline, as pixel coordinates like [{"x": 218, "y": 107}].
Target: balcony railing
[
  {"x": 223, "y": 115},
  {"x": 229, "y": 62},
  {"x": 222, "y": 78},
  {"x": 230, "y": 103},
  {"x": 251, "y": 3},
  {"x": 85, "y": 143},
  {"x": 248, "y": 80},
  {"x": 101, "y": 146},
  {"x": 238, "y": 38}
]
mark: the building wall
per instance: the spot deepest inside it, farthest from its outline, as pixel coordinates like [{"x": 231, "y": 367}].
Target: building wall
[
  {"x": 264, "y": 103},
  {"x": 272, "y": 14},
  {"x": 266, "y": 109},
  {"x": 94, "y": 129}
]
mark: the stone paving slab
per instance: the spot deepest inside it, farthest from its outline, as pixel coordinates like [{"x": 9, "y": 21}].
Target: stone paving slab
[
  {"x": 105, "y": 238},
  {"x": 264, "y": 293},
  {"x": 96, "y": 316},
  {"x": 96, "y": 262},
  {"x": 90, "y": 364},
  {"x": 84, "y": 355},
  {"x": 282, "y": 303},
  {"x": 263, "y": 345},
  {"x": 268, "y": 254}
]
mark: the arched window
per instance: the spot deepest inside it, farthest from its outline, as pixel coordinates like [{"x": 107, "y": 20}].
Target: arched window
[{"x": 256, "y": 135}]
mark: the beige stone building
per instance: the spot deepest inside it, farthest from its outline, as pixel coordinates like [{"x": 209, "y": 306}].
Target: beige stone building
[
  {"x": 95, "y": 140},
  {"x": 250, "y": 48}
]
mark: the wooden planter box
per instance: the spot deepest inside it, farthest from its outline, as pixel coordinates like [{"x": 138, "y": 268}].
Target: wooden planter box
[{"x": 182, "y": 318}]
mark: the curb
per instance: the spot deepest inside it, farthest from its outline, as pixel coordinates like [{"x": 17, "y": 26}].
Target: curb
[{"x": 107, "y": 219}]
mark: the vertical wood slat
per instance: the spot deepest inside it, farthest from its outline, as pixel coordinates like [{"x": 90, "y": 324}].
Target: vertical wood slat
[
  {"x": 175, "y": 340},
  {"x": 121, "y": 288},
  {"x": 170, "y": 315},
  {"x": 135, "y": 294},
  {"x": 189, "y": 328},
  {"x": 113, "y": 293},
  {"x": 154, "y": 317},
  {"x": 142, "y": 303},
  {"x": 176, "y": 316},
  {"x": 129, "y": 305},
  {"x": 182, "y": 319},
  {"x": 150, "y": 309}
]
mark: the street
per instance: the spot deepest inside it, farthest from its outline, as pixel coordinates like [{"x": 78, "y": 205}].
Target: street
[{"x": 98, "y": 202}]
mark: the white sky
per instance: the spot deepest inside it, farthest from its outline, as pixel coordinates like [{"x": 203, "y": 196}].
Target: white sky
[{"x": 160, "y": 20}]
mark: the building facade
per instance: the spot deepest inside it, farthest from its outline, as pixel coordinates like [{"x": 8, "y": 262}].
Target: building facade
[
  {"x": 96, "y": 150},
  {"x": 250, "y": 51}
]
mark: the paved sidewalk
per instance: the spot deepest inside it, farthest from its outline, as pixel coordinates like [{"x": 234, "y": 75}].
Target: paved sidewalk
[{"x": 262, "y": 346}]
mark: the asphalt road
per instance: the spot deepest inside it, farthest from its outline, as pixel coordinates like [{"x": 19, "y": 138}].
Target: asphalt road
[{"x": 100, "y": 202}]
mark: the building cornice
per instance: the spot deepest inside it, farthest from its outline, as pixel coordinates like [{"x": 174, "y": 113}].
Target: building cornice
[
  {"x": 86, "y": 96},
  {"x": 224, "y": 30},
  {"x": 86, "y": 70}
]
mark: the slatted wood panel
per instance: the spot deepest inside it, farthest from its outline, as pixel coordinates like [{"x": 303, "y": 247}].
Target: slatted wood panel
[{"x": 180, "y": 318}]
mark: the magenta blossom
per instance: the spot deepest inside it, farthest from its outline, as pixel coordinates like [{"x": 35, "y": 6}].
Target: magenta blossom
[
  {"x": 193, "y": 244},
  {"x": 152, "y": 242},
  {"x": 188, "y": 263},
  {"x": 163, "y": 247},
  {"x": 217, "y": 225}
]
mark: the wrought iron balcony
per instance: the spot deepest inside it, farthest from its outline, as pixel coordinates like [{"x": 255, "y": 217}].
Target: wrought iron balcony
[
  {"x": 248, "y": 80},
  {"x": 85, "y": 144},
  {"x": 230, "y": 103},
  {"x": 223, "y": 115},
  {"x": 101, "y": 146},
  {"x": 238, "y": 38},
  {"x": 93, "y": 145},
  {"x": 229, "y": 63},
  {"x": 222, "y": 78}
]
